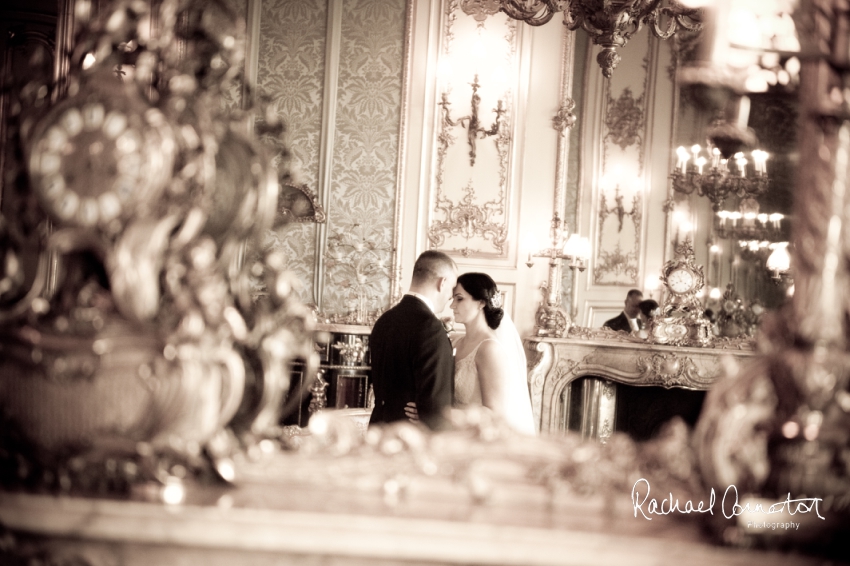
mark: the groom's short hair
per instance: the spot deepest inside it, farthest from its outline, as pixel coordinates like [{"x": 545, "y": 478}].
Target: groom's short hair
[{"x": 431, "y": 265}]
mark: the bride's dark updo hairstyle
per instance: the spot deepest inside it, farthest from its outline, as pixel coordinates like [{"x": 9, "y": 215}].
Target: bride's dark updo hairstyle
[{"x": 481, "y": 287}]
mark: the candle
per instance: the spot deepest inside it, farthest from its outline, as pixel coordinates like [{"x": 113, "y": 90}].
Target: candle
[
  {"x": 741, "y": 162},
  {"x": 682, "y": 154},
  {"x": 760, "y": 160},
  {"x": 695, "y": 151},
  {"x": 715, "y": 158},
  {"x": 701, "y": 161}
]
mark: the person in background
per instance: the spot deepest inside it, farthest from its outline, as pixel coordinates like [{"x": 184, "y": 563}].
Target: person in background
[
  {"x": 648, "y": 311},
  {"x": 627, "y": 321}
]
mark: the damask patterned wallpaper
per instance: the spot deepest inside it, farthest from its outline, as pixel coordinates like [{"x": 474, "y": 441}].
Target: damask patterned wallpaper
[
  {"x": 365, "y": 154},
  {"x": 291, "y": 70}
]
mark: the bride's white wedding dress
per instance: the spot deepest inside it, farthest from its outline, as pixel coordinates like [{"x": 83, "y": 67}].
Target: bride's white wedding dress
[{"x": 517, "y": 410}]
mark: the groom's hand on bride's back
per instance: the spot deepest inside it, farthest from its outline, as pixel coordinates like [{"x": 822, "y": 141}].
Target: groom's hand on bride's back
[{"x": 411, "y": 413}]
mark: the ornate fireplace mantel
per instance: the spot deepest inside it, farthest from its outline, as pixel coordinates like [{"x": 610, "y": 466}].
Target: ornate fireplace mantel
[{"x": 554, "y": 363}]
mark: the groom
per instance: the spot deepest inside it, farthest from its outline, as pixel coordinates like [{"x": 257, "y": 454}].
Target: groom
[{"x": 412, "y": 357}]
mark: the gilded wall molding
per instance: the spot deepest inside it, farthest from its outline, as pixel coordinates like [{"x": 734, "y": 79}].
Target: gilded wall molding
[
  {"x": 616, "y": 262},
  {"x": 563, "y": 122},
  {"x": 333, "y": 46},
  {"x": 401, "y": 170}
]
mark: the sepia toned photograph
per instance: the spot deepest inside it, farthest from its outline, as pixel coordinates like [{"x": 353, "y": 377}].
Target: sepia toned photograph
[{"x": 424, "y": 282}]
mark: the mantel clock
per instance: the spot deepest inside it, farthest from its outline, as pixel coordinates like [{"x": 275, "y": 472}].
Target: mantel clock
[{"x": 682, "y": 321}]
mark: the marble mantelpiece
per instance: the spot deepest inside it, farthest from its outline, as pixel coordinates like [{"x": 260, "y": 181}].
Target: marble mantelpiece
[{"x": 615, "y": 357}]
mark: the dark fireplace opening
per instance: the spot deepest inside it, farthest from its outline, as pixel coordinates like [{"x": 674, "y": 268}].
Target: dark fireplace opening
[{"x": 641, "y": 411}]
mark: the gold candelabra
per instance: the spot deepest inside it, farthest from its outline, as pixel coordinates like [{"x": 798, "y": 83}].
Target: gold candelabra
[
  {"x": 358, "y": 263},
  {"x": 552, "y": 320}
]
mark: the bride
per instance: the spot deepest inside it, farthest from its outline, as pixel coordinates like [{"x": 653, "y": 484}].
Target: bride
[{"x": 490, "y": 364}]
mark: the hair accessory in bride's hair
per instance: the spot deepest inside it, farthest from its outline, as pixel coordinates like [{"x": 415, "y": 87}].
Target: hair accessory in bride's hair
[{"x": 496, "y": 300}]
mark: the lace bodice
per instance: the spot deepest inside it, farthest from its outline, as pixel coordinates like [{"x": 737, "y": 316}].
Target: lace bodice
[{"x": 467, "y": 385}]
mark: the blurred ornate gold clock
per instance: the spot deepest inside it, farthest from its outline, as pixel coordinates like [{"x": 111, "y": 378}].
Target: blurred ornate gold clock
[{"x": 96, "y": 158}]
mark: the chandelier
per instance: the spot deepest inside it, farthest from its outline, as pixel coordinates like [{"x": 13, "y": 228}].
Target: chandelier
[
  {"x": 748, "y": 223},
  {"x": 610, "y": 23},
  {"x": 717, "y": 178}
]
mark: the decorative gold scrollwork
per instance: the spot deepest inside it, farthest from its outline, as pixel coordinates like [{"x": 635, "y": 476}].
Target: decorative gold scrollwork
[
  {"x": 669, "y": 370},
  {"x": 468, "y": 220},
  {"x": 564, "y": 119}
]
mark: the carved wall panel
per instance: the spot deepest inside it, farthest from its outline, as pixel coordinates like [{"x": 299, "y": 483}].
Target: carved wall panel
[
  {"x": 620, "y": 181},
  {"x": 471, "y": 189}
]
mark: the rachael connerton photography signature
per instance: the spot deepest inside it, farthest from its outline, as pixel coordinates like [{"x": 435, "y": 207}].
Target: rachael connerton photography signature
[{"x": 729, "y": 504}]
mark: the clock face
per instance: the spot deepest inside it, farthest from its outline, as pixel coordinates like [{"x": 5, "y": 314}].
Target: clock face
[
  {"x": 92, "y": 161},
  {"x": 680, "y": 281}
]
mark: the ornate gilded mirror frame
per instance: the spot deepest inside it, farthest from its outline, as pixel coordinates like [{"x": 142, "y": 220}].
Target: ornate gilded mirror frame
[{"x": 298, "y": 203}]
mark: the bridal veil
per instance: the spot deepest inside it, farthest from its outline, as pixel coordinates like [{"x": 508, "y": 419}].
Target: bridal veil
[{"x": 518, "y": 411}]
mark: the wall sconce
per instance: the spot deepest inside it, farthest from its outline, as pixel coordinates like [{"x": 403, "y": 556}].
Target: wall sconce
[
  {"x": 619, "y": 208},
  {"x": 472, "y": 123},
  {"x": 551, "y": 318}
]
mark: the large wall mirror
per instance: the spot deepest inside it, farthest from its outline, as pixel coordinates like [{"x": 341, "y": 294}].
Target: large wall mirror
[{"x": 735, "y": 236}]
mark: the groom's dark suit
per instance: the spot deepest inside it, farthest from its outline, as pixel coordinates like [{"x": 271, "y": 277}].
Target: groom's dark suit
[{"x": 412, "y": 360}]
